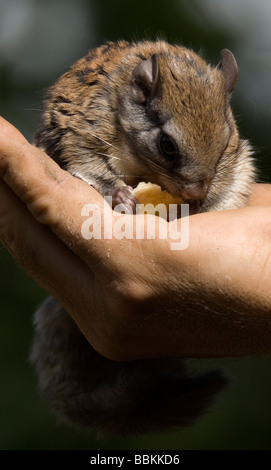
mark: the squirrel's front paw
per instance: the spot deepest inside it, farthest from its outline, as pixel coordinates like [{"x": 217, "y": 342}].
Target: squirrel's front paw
[{"x": 123, "y": 199}]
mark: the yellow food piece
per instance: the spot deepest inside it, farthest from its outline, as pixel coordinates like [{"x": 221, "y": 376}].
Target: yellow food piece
[{"x": 148, "y": 193}]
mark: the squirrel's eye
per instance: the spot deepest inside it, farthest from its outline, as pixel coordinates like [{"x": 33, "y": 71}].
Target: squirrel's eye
[{"x": 167, "y": 146}]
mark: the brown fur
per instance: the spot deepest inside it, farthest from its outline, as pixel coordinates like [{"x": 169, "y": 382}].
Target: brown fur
[{"x": 102, "y": 122}]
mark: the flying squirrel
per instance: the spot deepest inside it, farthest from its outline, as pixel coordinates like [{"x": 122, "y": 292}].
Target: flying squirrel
[{"x": 126, "y": 113}]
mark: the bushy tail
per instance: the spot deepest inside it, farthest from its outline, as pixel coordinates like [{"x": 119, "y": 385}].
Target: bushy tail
[{"x": 116, "y": 397}]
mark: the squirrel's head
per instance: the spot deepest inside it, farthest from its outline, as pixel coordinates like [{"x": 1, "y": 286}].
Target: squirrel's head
[{"x": 176, "y": 117}]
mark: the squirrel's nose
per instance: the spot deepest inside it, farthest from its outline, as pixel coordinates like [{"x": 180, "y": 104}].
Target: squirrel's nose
[{"x": 196, "y": 190}]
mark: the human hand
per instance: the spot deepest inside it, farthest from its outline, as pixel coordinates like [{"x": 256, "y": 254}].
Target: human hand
[{"x": 137, "y": 298}]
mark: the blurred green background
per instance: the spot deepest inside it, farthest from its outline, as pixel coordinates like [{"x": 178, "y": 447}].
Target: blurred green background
[{"x": 38, "y": 40}]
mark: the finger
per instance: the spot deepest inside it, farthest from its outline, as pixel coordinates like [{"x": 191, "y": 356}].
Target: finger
[
  {"x": 52, "y": 195},
  {"x": 41, "y": 254}
]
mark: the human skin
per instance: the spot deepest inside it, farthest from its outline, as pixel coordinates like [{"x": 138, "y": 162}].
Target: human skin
[{"x": 137, "y": 298}]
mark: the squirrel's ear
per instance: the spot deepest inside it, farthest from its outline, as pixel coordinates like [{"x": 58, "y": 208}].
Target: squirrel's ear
[
  {"x": 146, "y": 80},
  {"x": 229, "y": 68}
]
